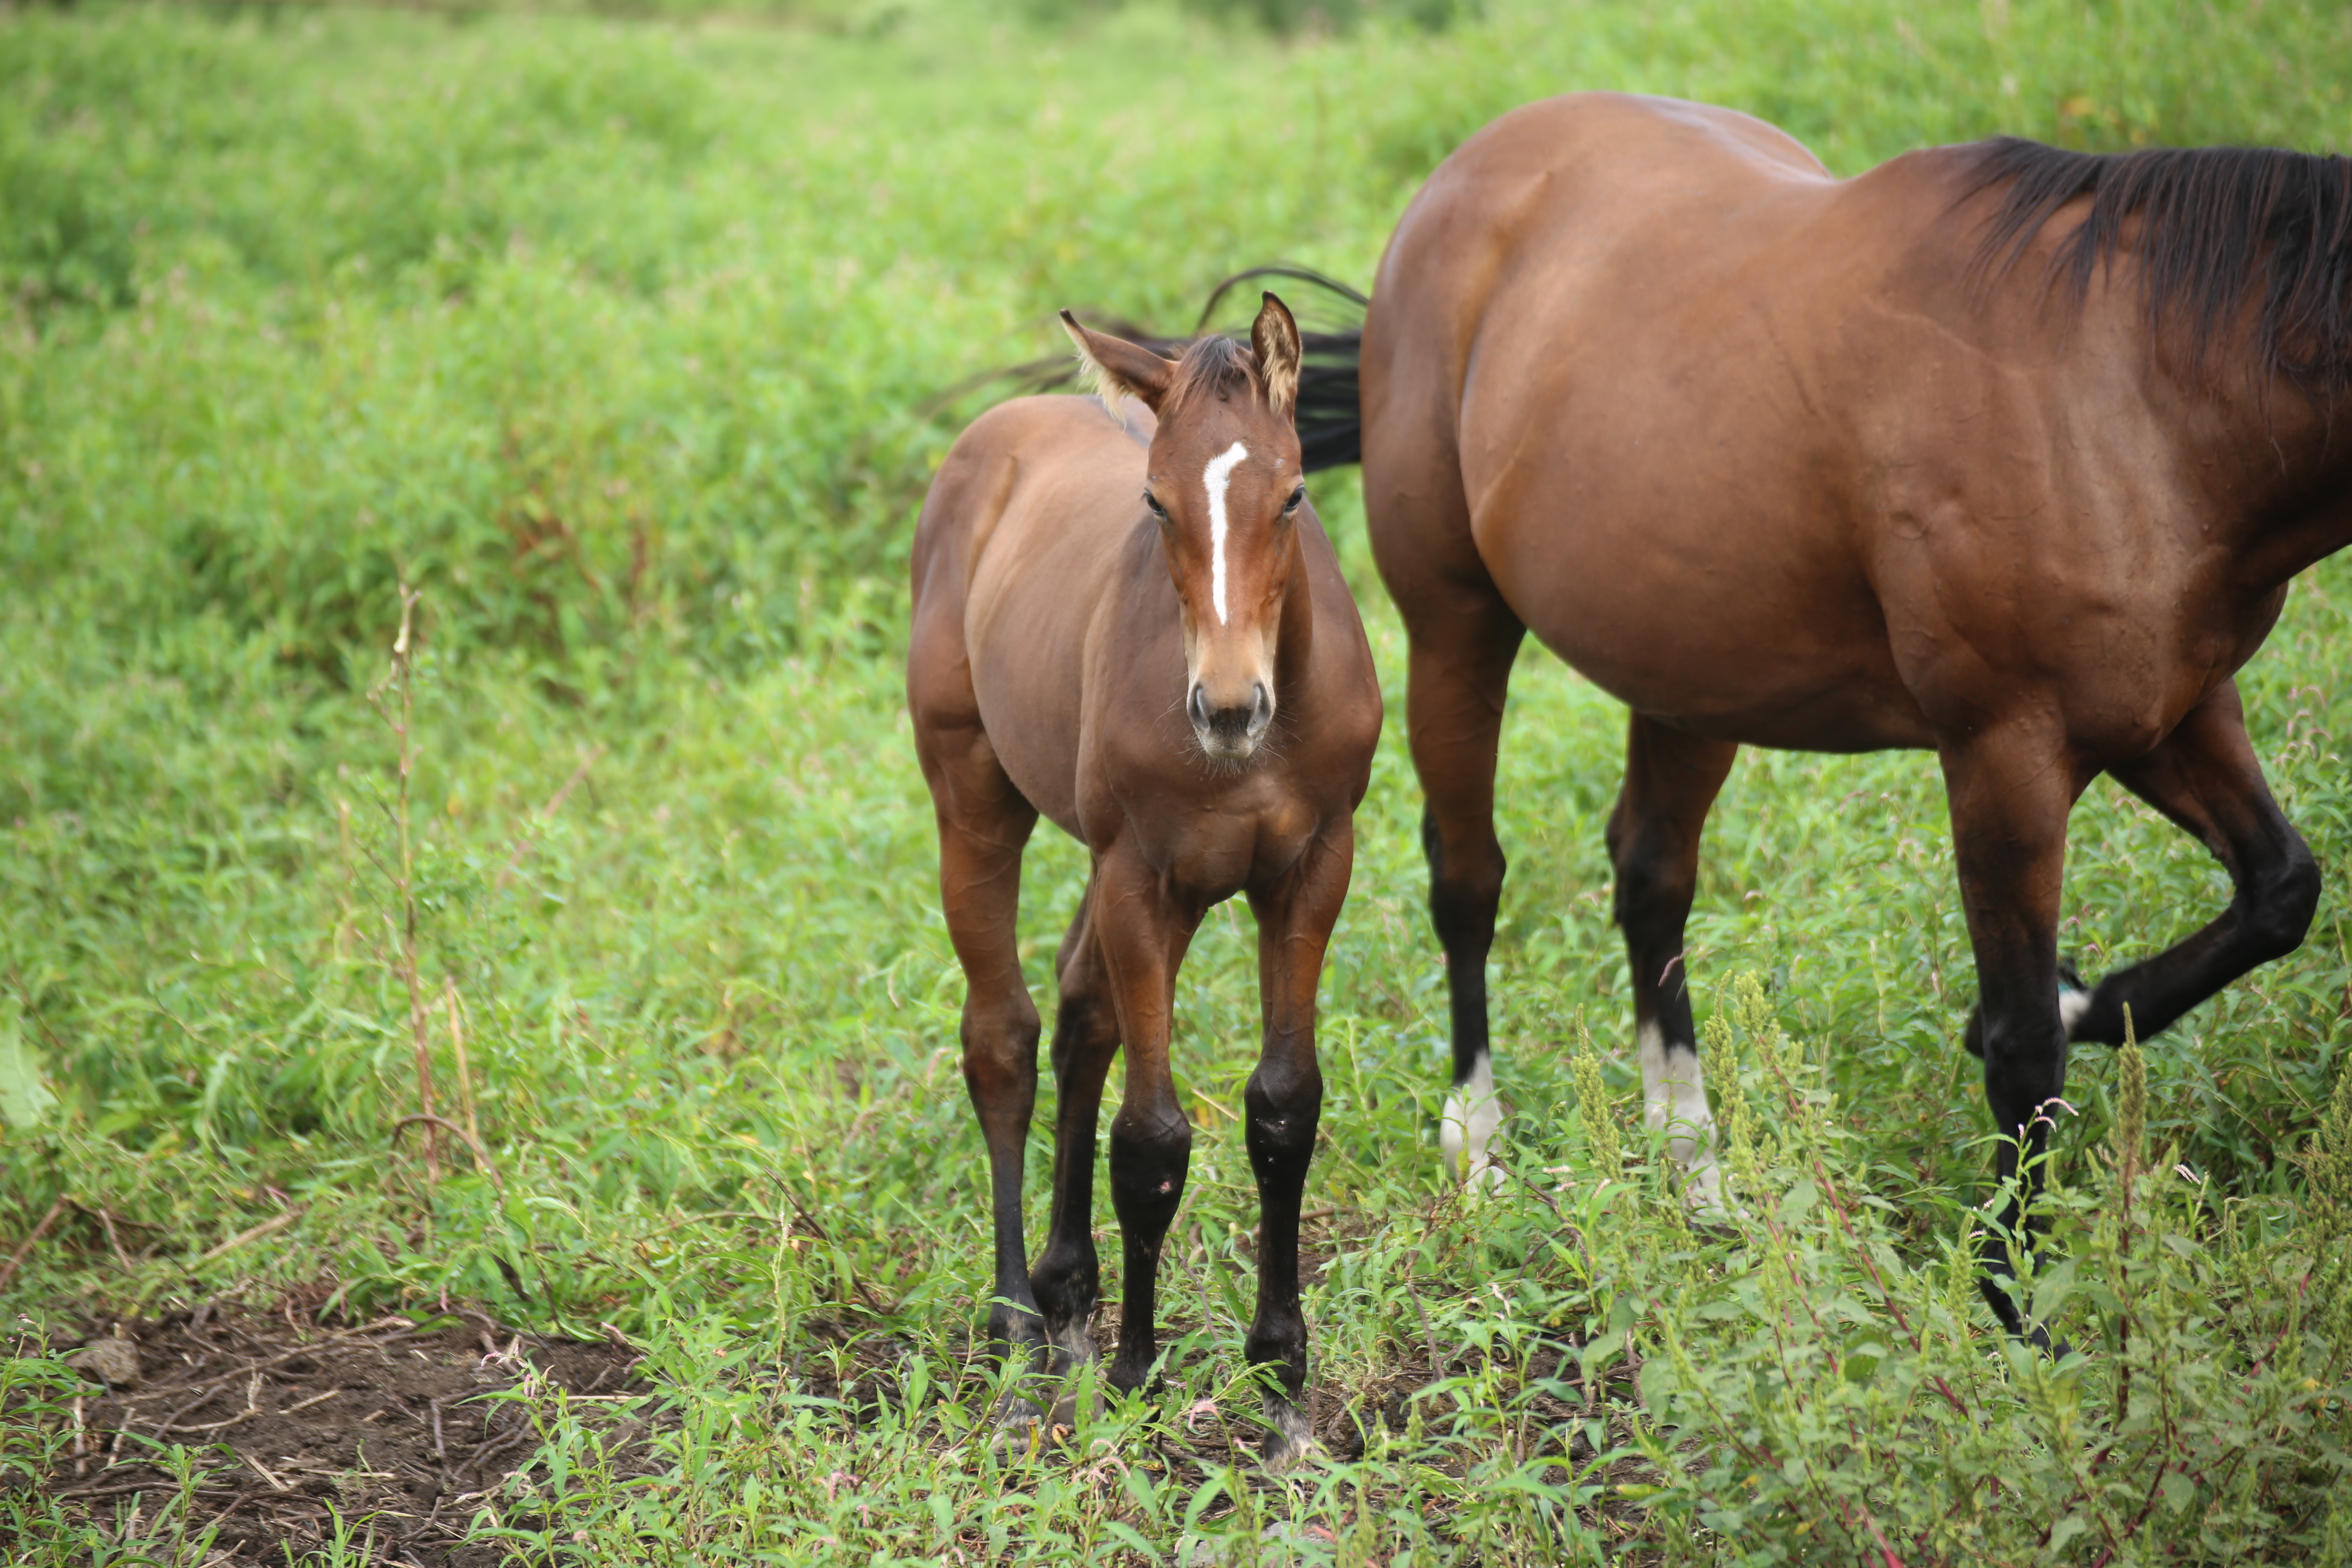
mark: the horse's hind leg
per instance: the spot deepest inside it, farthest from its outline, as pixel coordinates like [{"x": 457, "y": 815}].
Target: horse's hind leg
[
  {"x": 984, "y": 823},
  {"x": 2205, "y": 778},
  {"x": 1671, "y": 781},
  {"x": 1283, "y": 1103},
  {"x": 1462, "y": 646},
  {"x": 1066, "y": 1278}
]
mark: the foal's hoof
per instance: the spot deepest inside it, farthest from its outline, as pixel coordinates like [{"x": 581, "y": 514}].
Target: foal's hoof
[
  {"x": 1074, "y": 1407},
  {"x": 1291, "y": 1442},
  {"x": 1019, "y": 1424}
]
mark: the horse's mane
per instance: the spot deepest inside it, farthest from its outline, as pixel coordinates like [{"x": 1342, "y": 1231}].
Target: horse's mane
[{"x": 2208, "y": 226}]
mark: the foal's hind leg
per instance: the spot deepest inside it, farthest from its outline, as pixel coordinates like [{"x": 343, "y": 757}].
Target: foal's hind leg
[
  {"x": 1067, "y": 1276},
  {"x": 2205, "y": 778},
  {"x": 1670, "y": 780},
  {"x": 984, "y": 823},
  {"x": 1463, "y": 644}
]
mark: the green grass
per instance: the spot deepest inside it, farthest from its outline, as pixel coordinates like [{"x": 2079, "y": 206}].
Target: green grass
[{"x": 618, "y": 339}]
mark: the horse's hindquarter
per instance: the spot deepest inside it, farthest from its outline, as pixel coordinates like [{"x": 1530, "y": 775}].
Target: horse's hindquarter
[{"x": 1645, "y": 456}]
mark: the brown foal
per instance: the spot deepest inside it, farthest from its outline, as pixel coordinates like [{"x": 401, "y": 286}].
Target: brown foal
[
  {"x": 1133, "y": 623},
  {"x": 1997, "y": 450}
]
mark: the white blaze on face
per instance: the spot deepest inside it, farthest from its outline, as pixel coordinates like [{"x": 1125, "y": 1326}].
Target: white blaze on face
[
  {"x": 1674, "y": 1099},
  {"x": 1215, "y": 478},
  {"x": 1467, "y": 1128}
]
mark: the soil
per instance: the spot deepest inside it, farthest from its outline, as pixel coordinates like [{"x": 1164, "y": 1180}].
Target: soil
[{"x": 383, "y": 1420}]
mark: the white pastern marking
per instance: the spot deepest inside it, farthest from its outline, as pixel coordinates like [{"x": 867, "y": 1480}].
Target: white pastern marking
[
  {"x": 2072, "y": 1003},
  {"x": 1468, "y": 1126},
  {"x": 1215, "y": 478},
  {"x": 1674, "y": 1099}
]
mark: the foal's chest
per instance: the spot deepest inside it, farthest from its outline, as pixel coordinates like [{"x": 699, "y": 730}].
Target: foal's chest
[{"x": 1228, "y": 842}]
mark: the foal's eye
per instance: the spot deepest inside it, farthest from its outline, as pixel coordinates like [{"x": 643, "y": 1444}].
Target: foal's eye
[
  {"x": 1291, "y": 505},
  {"x": 1152, "y": 501}
]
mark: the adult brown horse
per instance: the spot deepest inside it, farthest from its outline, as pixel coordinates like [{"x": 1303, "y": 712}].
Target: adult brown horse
[
  {"x": 2000, "y": 450},
  {"x": 1136, "y": 625}
]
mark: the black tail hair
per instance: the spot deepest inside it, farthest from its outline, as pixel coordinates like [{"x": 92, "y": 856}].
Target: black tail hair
[
  {"x": 1330, "y": 406},
  {"x": 1330, "y": 412}
]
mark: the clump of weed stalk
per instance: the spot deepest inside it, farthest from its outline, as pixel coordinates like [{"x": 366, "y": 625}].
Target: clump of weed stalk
[{"x": 1825, "y": 1375}]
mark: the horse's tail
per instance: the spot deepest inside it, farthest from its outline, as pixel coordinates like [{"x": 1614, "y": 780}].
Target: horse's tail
[
  {"x": 1330, "y": 406},
  {"x": 1330, "y": 413},
  {"x": 1055, "y": 373}
]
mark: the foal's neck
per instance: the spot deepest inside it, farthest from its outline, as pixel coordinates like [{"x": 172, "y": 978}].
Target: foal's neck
[{"x": 1294, "y": 654}]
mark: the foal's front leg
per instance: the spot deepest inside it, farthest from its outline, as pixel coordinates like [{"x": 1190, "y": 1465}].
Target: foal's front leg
[
  {"x": 1067, "y": 1275},
  {"x": 1142, "y": 937},
  {"x": 1283, "y": 1102},
  {"x": 2010, "y": 792}
]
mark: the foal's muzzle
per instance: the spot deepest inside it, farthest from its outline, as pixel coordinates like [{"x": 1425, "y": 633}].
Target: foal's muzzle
[{"x": 1230, "y": 734}]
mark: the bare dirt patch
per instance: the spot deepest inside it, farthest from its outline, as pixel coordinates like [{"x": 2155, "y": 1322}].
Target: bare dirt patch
[{"x": 385, "y": 1421}]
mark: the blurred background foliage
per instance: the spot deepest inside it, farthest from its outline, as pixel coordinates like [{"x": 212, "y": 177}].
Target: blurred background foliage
[{"x": 623, "y": 337}]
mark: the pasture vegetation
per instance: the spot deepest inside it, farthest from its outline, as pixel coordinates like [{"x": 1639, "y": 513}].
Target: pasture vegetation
[{"x": 618, "y": 340}]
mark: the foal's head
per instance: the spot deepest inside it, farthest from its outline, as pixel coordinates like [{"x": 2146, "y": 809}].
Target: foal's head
[{"x": 1224, "y": 483}]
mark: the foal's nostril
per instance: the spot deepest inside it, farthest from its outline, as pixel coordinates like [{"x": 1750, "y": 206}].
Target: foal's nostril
[
  {"x": 1261, "y": 708},
  {"x": 1196, "y": 708}
]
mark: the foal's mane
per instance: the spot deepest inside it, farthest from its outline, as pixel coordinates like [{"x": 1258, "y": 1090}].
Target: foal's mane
[
  {"x": 2213, "y": 226},
  {"x": 1211, "y": 366}
]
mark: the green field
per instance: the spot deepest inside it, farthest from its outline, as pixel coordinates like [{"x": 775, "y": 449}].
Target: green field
[{"x": 621, "y": 339}]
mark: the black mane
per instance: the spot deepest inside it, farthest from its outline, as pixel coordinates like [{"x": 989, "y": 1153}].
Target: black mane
[
  {"x": 1330, "y": 315},
  {"x": 2215, "y": 226}
]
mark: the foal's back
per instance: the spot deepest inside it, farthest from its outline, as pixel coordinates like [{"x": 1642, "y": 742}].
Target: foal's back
[
  {"x": 1044, "y": 605},
  {"x": 1029, "y": 539}
]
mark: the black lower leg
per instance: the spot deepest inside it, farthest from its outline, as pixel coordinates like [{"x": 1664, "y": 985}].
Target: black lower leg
[
  {"x": 1464, "y": 891},
  {"x": 2020, "y": 1086},
  {"x": 2266, "y": 919},
  {"x": 2011, "y": 1232},
  {"x": 1283, "y": 1109},
  {"x": 1066, "y": 1278},
  {"x": 1005, "y": 1101},
  {"x": 1147, "y": 1159}
]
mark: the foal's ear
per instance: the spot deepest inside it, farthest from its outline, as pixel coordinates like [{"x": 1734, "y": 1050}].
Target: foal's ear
[
  {"x": 1274, "y": 337},
  {"x": 1117, "y": 368}
]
